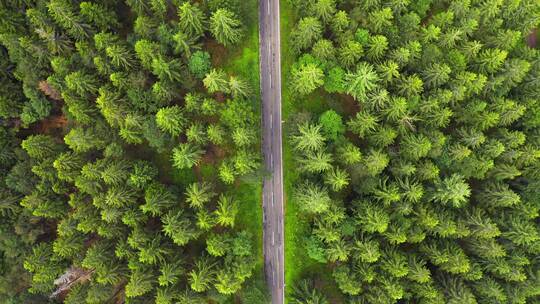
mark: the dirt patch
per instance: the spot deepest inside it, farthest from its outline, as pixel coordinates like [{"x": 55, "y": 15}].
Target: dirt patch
[
  {"x": 218, "y": 52},
  {"x": 532, "y": 39},
  {"x": 220, "y": 97},
  {"x": 211, "y": 157},
  {"x": 213, "y": 154},
  {"x": 48, "y": 90},
  {"x": 344, "y": 104},
  {"x": 52, "y": 125}
]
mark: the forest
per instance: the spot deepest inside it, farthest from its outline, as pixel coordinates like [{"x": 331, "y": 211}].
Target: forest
[
  {"x": 414, "y": 129},
  {"x": 131, "y": 160},
  {"x": 127, "y": 148}
]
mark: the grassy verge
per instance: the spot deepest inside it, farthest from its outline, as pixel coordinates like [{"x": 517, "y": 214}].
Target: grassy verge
[
  {"x": 296, "y": 260},
  {"x": 243, "y": 61},
  {"x": 297, "y": 264}
]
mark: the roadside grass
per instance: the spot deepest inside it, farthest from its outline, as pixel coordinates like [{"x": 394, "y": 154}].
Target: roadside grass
[
  {"x": 298, "y": 264},
  {"x": 243, "y": 61}
]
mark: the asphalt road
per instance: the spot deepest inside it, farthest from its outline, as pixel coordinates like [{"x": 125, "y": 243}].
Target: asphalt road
[{"x": 270, "y": 74}]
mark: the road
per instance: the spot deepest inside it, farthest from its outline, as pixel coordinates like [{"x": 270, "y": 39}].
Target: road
[{"x": 270, "y": 74}]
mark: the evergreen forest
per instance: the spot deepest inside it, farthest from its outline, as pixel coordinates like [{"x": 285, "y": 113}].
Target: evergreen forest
[
  {"x": 129, "y": 152},
  {"x": 415, "y": 134},
  {"x": 132, "y": 166}
]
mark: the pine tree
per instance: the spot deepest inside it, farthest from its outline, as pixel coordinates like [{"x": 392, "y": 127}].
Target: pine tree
[
  {"x": 198, "y": 194},
  {"x": 324, "y": 9},
  {"x": 140, "y": 283},
  {"x": 309, "y": 138},
  {"x": 40, "y": 146},
  {"x": 308, "y": 30},
  {"x": 372, "y": 218},
  {"x": 350, "y": 52},
  {"x": 226, "y": 211},
  {"x": 307, "y": 78},
  {"x": 312, "y": 198},
  {"x": 202, "y": 276},
  {"x": 215, "y": 81},
  {"x": 63, "y": 14},
  {"x": 490, "y": 60},
  {"x": 186, "y": 155},
  {"x": 452, "y": 190},
  {"x": 167, "y": 70},
  {"x": 337, "y": 179},
  {"x": 227, "y": 172},
  {"x": 375, "y": 162},
  {"x": 225, "y": 27},
  {"x": 120, "y": 56},
  {"x": 179, "y": 227},
  {"x": 99, "y": 15},
  {"x": 340, "y": 22},
  {"x": 191, "y": 19},
  {"x": 362, "y": 81},
  {"x": 158, "y": 198},
  {"x": 436, "y": 75},
  {"x": 238, "y": 87},
  {"x": 216, "y": 134},
  {"x": 305, "y": 292},
  {"x": 377, "y": 46},
  {"x": 415, "y": 147},
  {"x": 349, "y": 154},
  {"x": 217, "y": 244},
  {"x": 324, "y": 50},
  {"x": 363, "y": 123},
  {"x": 378, "y": 20},
  {"x": 368, "y": 250},
  {"x": 316, "y": 162},
  {"x": 170, "y": 273},
  {"x": 82, "y": 83},
  {"x": 68, "y": 166}
]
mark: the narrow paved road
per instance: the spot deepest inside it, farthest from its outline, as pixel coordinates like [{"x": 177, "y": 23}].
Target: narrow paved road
[{"x": 270, "y": 72}]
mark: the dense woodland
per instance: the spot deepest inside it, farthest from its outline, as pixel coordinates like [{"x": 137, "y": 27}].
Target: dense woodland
[
  {"x": 124, "y": 144},
  {"x": 421, "y": 181},
  {"x": 101, "y": 102}
]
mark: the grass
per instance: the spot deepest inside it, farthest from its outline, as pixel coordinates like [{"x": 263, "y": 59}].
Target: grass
[
  {"x": 243, "y": 61},
  {"x": 298, "y": 265}
]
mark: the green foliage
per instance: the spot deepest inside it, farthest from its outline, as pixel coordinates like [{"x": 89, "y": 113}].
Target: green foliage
[
  {"x": 191, "y": 18},
  {"x": 92, "y": 120},
  {"x": 332, "y": 124},
  {"x": 215, "y": 81},
  {"x": 171, "y": 120},
  {"x": 430, "y": 195},
  {"x": 307, "y": 32},
  {"x": 305, "y": 292},
  {"x": 312, "y": 198},
  {"x": 361, "y": 82},
  {"x": 309, "y": 138},
  {"x": 306, "y": 78},
  {"x": 40, "y": 146},
  {"x": 225, "y": 27},
  {"x": 200, "y": 64},
  {"x": 186, "y": 155}
]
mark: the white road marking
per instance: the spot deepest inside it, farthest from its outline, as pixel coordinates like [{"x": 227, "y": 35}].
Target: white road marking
[{"x": 273, "y": 240}]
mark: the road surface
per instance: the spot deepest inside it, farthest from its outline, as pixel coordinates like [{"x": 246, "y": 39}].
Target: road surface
[{"x": 270, "y": 74}]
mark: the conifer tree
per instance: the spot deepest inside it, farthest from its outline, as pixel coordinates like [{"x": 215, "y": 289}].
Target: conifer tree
[{"x": 225, "y": 27}]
